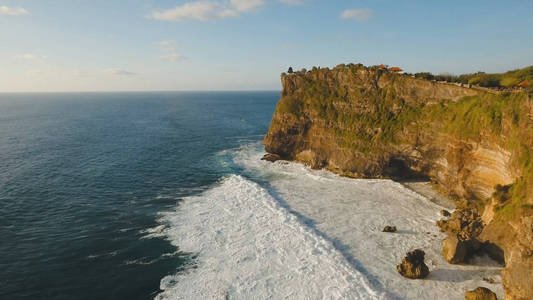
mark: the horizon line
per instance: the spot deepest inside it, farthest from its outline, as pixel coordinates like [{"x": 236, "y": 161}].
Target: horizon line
[{"x": 133, "y": 91}]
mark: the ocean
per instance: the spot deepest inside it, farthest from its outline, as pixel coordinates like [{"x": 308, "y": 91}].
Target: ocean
[{"x": 163, "y": 195}]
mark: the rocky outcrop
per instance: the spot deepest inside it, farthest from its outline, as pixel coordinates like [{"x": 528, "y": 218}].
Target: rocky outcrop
[
  {"x": 445, "y": 213},
  {"x": 366, "y": 123},
  {"x": 463, "y": 229},
  {"x": 517, "y": 244},
  {"x": 456, "y": 251},
  {"x": 271, "y": 157},
  {"x": 480, "y": 293},
  {"x": 413, "y": 265}
]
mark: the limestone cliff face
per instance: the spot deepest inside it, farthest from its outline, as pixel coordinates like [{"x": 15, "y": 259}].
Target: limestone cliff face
[{"x": 363, "y": 122}]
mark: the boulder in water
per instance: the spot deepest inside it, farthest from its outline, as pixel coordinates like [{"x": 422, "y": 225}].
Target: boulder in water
[
  {"x": 480, "y": 293},
  {"x": 413, "y": 265},
  {"x": 389, "y": 229},
  {"x": 271, "y": 157}
]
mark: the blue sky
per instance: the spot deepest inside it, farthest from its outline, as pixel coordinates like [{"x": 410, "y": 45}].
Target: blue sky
[{"x": 119, "y": 45}]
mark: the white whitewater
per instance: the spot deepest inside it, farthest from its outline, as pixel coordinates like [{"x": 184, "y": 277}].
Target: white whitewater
[
  {"x": 252, "y": 248},
  {"x": 310, "y": 235}
]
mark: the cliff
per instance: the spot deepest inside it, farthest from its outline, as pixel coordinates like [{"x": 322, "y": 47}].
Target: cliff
[{"x": 369, "y": 123}]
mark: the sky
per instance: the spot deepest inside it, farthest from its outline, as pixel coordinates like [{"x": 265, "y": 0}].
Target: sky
[{"x": 152, "y": 45}]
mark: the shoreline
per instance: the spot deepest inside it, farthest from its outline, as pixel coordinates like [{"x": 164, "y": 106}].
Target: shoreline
[
  {"x": 429, "y": 191},
  {"x": 413, "y": 206}
]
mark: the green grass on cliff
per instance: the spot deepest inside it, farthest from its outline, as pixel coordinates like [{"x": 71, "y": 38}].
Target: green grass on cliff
[
  {"x": 502, "y": 119},
  {"x": 501, "y": 80},
  {"x": 291, "y": 105},
  {"x": 363, "y": 128},
  {"x": 507, "y": 79},
  {"x": 385, "y": 118},
  {"x": 475, "y": 117}
]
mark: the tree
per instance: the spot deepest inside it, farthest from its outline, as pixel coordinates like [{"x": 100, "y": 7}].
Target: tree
[
  {"x": 485, "y": 80},
  {"x": 290, "y": 71}
]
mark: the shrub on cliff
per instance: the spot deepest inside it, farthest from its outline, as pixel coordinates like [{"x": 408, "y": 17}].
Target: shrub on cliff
[
  {"x": 447, "y": 77},
  {"x": 508, "y": 79},
  {"x": 496, "y": 80},
  {"x": 485, "y": 80},
  {"x": 290, "y": 105},
  {"x": 425, "y": 75}
]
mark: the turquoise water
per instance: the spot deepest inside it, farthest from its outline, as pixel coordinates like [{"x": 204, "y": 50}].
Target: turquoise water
[{"x": 84, "y": 176}]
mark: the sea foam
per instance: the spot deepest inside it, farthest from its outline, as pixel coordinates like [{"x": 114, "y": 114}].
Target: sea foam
[
  {"x": 309, "y": 234},
  {"x": 250, "y": 247},
  {"x": 352, "y": 213}
]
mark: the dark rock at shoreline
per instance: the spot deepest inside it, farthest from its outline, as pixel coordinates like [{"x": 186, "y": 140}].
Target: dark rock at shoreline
[
  {"x": 389, "y": 229},
  {"x": 489, "y": 280},
  {"x": 454, "y": 250},
  {"x": 480, "y": 293},
  {"x": 465, "y": 223},
  {"x": 271, "y": 157},
  {"x": 463, "y": 229},
  {"x": 413, "y": 265},
  {"x": 445, "y": 213}
]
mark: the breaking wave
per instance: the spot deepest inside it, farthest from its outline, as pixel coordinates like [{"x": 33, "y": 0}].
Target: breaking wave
[{"x": 251, "y": 247}]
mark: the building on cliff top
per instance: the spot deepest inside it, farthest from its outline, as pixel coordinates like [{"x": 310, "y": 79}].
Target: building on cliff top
[
  {"x": 523, "y": 84},
  {"x": 395, "y": 69}
]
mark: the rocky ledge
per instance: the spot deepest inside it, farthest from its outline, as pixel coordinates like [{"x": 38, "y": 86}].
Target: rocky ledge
[{"x": 476, "y": 146}]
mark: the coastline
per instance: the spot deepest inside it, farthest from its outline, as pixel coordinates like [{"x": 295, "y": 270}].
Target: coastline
[
  {"x": 352, "y": 213},
  {"x": 430, "y": 192},
  {"x": 365, "y": 122},
  {"x": 281, "y": 228}
]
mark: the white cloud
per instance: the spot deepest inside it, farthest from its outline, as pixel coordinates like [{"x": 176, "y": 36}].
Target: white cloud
[
  {"x": 194, "y": 10},
  {"x": 360, "y": 15},
  {"x": 207, "y": 10},
  {"x": 29, "y": 56},
  {"x": 121, "y": 72},
  {"x": 170, "y": 51},
  {"x": 292, "y": 2},
  {"x": 13, "y": 11},
  {"x": 246, "y": 5}
]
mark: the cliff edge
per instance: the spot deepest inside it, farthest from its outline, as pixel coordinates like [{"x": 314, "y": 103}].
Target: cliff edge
[{"x": 476, "y": 145}]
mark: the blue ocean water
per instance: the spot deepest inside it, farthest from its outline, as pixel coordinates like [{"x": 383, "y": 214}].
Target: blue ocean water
[{"x": 83, "y": 176}]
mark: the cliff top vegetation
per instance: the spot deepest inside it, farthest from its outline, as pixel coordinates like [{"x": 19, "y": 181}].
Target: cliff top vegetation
[
  {"x": 519, "y": 78},
  {"x": 386, "y": 116}
]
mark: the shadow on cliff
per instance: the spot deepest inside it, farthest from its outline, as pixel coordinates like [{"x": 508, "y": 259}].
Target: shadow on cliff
[
  {"x": 398, "y": 170},
  {"x": 340, "y": 246}
]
